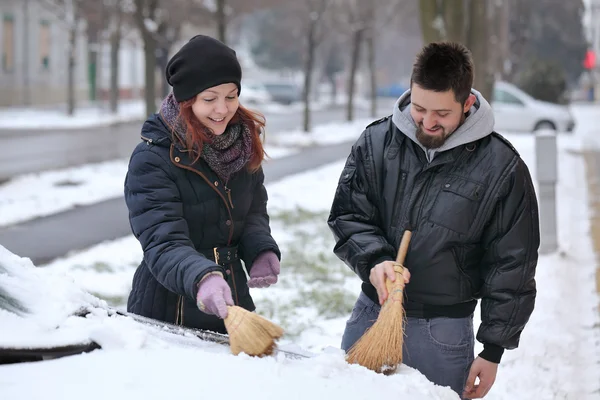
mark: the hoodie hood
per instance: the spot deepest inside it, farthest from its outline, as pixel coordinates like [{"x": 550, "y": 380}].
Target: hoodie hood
[{"x": 478, "y": 124}]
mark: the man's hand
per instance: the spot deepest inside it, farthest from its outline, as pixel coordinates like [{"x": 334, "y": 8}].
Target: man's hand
[
  {"x": 486, "y": 371},
  {"x": 378, "y": 275}
]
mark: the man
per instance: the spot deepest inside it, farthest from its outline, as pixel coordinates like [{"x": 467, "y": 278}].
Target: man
[{"x": 436, "y": 167}]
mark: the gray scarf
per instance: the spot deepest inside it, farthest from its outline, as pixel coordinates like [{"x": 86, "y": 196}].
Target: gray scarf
[{"x": 225, "y": 154}]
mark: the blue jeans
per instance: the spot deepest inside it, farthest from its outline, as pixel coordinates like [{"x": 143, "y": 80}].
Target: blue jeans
[{"x": 441, "y": 348}]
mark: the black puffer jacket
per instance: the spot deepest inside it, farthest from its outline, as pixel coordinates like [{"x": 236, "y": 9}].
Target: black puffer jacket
[
  {"x": 180, "y": 213},
  {"x": 474, "y": 218}
]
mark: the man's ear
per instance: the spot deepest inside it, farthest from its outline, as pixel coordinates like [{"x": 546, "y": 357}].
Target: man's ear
[{"x": 469, "y": 103}]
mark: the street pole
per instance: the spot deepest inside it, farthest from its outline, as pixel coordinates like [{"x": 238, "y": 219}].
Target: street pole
[{"x": 547, "y": 178}]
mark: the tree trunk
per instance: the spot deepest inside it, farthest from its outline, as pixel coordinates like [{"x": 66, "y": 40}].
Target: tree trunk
[
  {"x": 479, "y": 43},
  {"x": 454, "y": 20},
  {"x": 93, "y": 31},
  {"x": 221, "y": 21},
  {"x": 428, "y": 14},
  {"x": 504, "y": 40},
  {"x": 161, "y": 64},
  {"x": 308, "y": 72},
  {"x": 115, "y": 47},
  {"x": 26, "y": 53},
  {"x": 334, "y": 88},
  {"x": 357, "y": 38},
  {"x": 372, "y": 72},
  {"x": 150, "y": 64},
  {"x": 71, "y": 70}
]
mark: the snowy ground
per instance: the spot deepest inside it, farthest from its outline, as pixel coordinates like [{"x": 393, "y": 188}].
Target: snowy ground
[{"x": 558, "y": 357}]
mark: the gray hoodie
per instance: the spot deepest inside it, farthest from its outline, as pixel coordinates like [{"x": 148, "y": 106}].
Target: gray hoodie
[{"x": 478, "y": 124}]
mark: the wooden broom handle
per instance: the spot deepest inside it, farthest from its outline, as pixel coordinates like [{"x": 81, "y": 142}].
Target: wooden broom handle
[{"x": 403, "y": 247}]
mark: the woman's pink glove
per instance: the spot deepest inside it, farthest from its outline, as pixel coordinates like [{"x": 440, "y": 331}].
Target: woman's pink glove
[
  {"x": 214, "y": 295},
  {"x": 264, "y": 270}
]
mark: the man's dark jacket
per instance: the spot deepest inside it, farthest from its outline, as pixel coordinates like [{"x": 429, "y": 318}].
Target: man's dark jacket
[
  {"x": 474, "y": 221},
  {"x": 181, "y": 212}
]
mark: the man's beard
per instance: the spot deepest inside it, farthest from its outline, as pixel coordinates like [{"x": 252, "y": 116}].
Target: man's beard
[
  {"x": 431, "y": 141},
  {"x": 436, "y": 141}
]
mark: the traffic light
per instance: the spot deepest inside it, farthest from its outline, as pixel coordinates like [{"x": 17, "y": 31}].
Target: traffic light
[{"x": 589, "y": 62}]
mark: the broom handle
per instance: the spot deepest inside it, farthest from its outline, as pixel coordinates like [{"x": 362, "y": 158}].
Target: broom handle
[{"x": 403, "y": 247}]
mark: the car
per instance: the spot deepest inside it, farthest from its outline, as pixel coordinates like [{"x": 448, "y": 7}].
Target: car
[
  {"x": 283, "y": 92},
  {"x": 394, "y": 90},
  {"x": 254, "y": 93},
  {"x": 515, "y": 110}
]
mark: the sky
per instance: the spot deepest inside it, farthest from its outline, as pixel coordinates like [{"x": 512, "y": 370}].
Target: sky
[{"x": 558, "y": 356}]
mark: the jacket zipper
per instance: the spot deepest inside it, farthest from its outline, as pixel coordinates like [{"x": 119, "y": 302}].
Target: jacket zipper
[
  {"x": 226, "y": 206},
  {"x": 427, "y": 186},
  {"x": 228, "y": 191}
]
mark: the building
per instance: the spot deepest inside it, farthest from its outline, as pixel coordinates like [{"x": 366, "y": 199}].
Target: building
[{"x": 34, "y": 45}]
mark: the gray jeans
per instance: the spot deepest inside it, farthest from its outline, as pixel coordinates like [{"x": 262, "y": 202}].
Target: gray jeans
[{"x": 442, "y": 349}]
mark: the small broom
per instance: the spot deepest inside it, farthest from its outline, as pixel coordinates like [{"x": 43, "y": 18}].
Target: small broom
[
  {"x": 250, "y": 333},
  {"x": 380, "y": 348}
]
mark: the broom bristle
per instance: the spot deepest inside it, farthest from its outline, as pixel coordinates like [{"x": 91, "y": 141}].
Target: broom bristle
[
  {"x": 250, "y": 333},
  {"x": 380, "y": 348}
]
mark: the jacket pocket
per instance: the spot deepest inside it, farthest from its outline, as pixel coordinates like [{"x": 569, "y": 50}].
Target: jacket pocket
[
  {"x": 457, "y": 204},
  {"x": 466, "y": 286}
]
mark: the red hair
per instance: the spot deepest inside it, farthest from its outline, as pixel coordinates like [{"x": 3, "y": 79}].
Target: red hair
[{"x": 197, "y": 133}]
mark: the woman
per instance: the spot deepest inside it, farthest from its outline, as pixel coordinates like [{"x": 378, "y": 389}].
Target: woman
[{"x": 196, "y": 198}]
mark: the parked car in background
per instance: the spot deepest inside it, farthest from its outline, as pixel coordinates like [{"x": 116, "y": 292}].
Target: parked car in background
[
  {"x": 394, "y": 90},
  {"x": 254, "y": 93},
  {"x": 283, "y": 92},
  {"x": 515, "y": 110}
]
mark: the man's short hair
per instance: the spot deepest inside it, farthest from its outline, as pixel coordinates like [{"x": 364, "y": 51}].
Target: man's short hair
[{"x": 443, "y": 66}]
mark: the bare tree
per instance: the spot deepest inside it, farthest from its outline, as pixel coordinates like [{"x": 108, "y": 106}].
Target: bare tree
[
  {"x": 363, "y": 22},
  {"x": 117, "y": 14},
  {"x": 93, "y": 12},
  {"x": 478, "y": 39},
  {"x": 314, "y": 13},
  {"x": 357, "y": 15},
  {"x": 222, "y": 12},
  {"x": 147, "y": 16},
  {"x": 466, "y": 21},
  {"x": 69, "y": 13},
  {"x": 159, "y": 23}
]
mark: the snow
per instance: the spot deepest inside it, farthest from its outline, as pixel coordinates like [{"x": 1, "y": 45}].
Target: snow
[
  {"x": 36, "y": 118},
  {"x": 195, "y": 372},
  {"x": 558, "y": 356},
  {"x": 131, "y": 353}
]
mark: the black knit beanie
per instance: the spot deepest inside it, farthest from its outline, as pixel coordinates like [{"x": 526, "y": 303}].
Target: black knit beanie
[{"x": 202, "y": 63}]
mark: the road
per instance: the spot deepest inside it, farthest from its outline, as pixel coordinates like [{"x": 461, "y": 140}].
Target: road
[{"x": 40, "y": 150}]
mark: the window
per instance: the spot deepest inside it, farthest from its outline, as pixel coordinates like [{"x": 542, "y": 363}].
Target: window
[
  {"x": 500, "y": 96},
  {"x": 44, "y": 47},
  {"x": 8, "y": 43}
]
